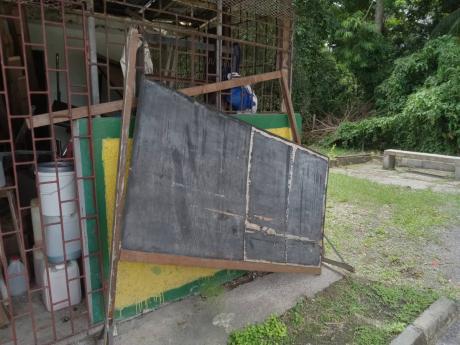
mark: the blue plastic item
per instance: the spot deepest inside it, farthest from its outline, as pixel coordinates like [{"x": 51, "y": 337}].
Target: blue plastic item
[{"x": 240, "y": 98}]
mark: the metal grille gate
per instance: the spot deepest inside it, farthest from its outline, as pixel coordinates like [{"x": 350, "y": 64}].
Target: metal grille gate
[{"x": 56, "y": 55}]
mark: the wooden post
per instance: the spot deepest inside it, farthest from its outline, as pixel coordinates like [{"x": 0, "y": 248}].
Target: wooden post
[
  {"x": 289, "y": 107},
  {"x": 128, "y": 97},
  {"x": 284, "y": 62}
]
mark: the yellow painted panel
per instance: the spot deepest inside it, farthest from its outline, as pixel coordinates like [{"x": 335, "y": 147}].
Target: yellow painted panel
[
  {"x": 137, "y": 282},
  {"x": 284, "y": 132}
]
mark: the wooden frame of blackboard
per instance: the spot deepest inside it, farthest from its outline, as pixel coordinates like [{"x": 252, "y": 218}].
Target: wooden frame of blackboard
[
  {"x": 250, "y": 265},
  {"x": 247, "y": 265}
]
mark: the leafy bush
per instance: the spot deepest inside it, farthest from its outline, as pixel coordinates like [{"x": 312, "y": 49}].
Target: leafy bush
[
  {"x": 271, "y": 332},
  {"x": 321, "y": 84},
  {"x": 365, "y": 52},
  {"x": 431, "y": 66},
  {"x": 423, "y": 94}
]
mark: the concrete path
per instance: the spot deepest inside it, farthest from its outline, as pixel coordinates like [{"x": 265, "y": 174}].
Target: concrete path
[
  {"x": 195, "y": 321},
  {"x": 451, "y": 335}
]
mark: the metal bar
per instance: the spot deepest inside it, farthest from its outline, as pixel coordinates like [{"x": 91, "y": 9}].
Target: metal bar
[{"x": 93, "y": 54}]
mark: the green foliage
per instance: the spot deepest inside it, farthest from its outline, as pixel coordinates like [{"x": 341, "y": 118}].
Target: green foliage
[
  {"x": 270, "y": 332},
  {"x": 320, "y": 83},
  {"x": 423, "y": 94},
  {"x": 365, "y": 335},
  {"x": 365, "y": 52},
  {"x": 436, "y": 63},
  {"x": 409, "y": 22},
  {"x": 406, "y": 301},
  {"x": 355, "y": 312},
  {"x": 450, "y": 25}
]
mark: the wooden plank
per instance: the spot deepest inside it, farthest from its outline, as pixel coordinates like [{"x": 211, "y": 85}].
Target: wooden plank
[
  {"x": 228, "y": 84},
  {"x": 289, "y": 107},
  {"x": 128, "y": 96},
  {"x": 284, "y": 42},
  {"x": 167, "y": 259},
  {"x": 103, "y": 108},
  {"x": 75, "y": 113}
]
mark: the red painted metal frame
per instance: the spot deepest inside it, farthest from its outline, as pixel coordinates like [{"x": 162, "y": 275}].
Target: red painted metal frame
[{"x": 183, "y": 47}]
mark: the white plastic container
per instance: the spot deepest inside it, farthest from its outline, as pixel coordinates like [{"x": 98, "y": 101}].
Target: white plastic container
[
  {"x": 54, "y": 239},
  {"x": 49, "y": 198},
  {"x": 17, "y": 279},
  {"x": 36, "y": 222},
  {"x": 39, "y": 264},
  {"x": 58, "y": 286}
]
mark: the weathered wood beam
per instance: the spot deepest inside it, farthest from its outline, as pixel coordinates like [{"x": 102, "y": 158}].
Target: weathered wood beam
[
  {"x": 109, "y": 107},
  {"x": 127, "y": 105},
  {"x": 289, "y": 107},
  {"x": 167, "y": 259}
]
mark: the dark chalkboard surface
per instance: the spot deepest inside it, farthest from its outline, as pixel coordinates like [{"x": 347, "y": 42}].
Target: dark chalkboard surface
[{"x": 205, "y": 185}]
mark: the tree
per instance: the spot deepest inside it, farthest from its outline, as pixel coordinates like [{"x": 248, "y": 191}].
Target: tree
[
  {"x": 379, "y": 16},
  {"x": 449, "y": 24}
]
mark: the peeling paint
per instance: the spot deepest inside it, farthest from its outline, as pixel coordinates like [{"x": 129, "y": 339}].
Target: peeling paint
[{"x": 224, "y": 212}]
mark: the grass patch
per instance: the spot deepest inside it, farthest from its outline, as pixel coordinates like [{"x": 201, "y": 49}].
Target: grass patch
[
  {"x": 348, "y": 312},
  {"x": 334, "y": 151},
  {"x": 412, "y": 211},
  {"x": 389, "y": 233},
  {"x": 270, "y": 332}
]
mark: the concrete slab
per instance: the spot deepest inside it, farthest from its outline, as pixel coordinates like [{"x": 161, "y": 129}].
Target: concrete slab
[
  {"x": 437, "y": 316},
  {"x": 451, "y": 335},
  {"x": 410, "y": 336},
  {"x": 195, "y": 321}
]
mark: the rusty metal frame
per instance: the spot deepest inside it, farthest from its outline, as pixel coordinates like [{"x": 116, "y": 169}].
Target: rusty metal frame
[{"x": 182, "y": 36}]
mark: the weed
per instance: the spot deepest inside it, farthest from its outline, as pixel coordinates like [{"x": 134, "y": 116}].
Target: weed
[
  {"x": 334, "y": 151},
  {"x": 270, "y": 332},
  {"x": 366, "y": 335}
]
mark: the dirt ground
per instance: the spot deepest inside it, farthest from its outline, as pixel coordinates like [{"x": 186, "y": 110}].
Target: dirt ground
[
  {"x": 401, "y": 231},
  {"x": 431, "y": 260}
]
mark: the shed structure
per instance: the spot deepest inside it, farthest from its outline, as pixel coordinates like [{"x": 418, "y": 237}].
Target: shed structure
[{"x": 58, "y": 56}]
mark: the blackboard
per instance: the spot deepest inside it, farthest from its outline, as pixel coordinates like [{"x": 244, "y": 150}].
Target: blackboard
[{"x": 204, "y": 185}]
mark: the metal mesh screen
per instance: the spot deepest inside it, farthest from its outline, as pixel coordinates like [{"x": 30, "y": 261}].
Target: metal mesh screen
[{"x": 269, "y": 8}]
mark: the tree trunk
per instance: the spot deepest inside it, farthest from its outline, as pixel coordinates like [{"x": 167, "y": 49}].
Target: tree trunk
[{"x": 379, "y": 16}]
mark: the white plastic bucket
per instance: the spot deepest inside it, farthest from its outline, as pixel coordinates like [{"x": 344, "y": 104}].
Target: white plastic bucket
[
  {"x": 36, "y": 222},
  {"x": 58, "y": 286},
  {"x": 54, "y": 239},
  {"x": 49, "y": 191}
]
